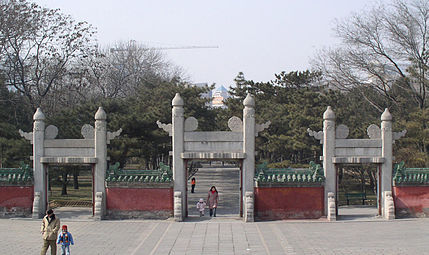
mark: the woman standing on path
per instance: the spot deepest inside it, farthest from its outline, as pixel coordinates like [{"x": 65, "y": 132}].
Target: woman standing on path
[{"x": 212, "y": 200}]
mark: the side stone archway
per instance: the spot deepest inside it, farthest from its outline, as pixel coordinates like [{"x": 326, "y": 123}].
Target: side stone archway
[
  {"x": 92, "y": 150},
  {"x": 237, "y": 144},
  {"x": 338, "y": 149}
]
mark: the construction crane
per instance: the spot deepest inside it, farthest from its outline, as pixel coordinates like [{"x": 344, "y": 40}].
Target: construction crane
[
  {"x": 133, "y": 43},
  {"x": 185, "y": 47}
]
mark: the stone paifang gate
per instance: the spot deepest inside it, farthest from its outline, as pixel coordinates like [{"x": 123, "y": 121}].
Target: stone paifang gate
[
  {"x": 273, "y": 194},
  {"x": 237, "y": 144},
  {"x": 337, "y": 149},
  {"x": 92, "y": 150}
]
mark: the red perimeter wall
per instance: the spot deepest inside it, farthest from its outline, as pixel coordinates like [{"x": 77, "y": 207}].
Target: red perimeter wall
[
  {"x": 16, "y": 196},
  {"x": 411, "y": 201},
  {"x": 139, "y": 199},
  {"x": 279, "y": 203}
]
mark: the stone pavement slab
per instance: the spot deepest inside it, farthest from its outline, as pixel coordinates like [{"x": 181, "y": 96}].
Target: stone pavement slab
[{"x": 411, "y": 236}]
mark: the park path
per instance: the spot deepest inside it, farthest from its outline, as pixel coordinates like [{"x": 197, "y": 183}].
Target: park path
[{"x": 227, "y": 182}]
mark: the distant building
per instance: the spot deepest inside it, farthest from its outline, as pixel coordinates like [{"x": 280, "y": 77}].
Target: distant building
[
  {"x": 202, "y": 85},
  {"x": 219, "y": 96}
]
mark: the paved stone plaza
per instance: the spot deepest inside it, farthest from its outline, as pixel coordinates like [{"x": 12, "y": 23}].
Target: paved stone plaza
[{"x": 226, "y": 236}]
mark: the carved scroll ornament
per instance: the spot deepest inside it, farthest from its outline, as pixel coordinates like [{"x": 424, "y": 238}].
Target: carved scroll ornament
[{"x": 166, "y": 127}]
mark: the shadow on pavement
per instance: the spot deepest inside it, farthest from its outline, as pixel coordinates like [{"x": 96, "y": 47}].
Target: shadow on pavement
[
  {"x": 74, "y": 213},
  {"x": 358, "y": 213}
]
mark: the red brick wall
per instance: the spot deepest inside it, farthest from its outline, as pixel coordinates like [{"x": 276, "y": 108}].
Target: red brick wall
[
  {"x": 16, "y": 196},
  {"x": 411, "y": 201},
  {"x": 139, "y": 199},
  {"x": 278, "y": 203}
]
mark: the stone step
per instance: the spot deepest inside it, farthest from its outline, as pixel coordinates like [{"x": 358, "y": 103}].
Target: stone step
[{"x": 227, "y": 183}]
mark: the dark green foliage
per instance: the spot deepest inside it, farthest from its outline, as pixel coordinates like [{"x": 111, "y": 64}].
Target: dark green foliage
[
  {"x": 15, "y": 114},
  {"x": 292, "y": 103}
]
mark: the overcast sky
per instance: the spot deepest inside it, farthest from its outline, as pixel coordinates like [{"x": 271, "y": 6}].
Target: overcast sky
[{"x": 259, "y": 38}]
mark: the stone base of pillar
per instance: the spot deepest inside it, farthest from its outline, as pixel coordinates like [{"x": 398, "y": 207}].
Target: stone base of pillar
[
  {"x": 178, "y": 206},
  {"x": 249, "y": 208},
  {"x": 98, "y": 206},
  {"x": 331, "y": 207},
  {"x": 36, "y": 206},
  {"x": 389, "y": 206}
]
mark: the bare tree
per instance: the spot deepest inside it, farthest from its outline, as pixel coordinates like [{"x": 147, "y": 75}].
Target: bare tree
[
  {"x": 118, "y": 71},
  {"x": 38, "y": 47},
  {"x": 382, "y": 49}
]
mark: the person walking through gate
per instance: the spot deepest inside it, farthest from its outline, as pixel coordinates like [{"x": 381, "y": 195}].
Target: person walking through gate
[
  {"x": 201, "y": 205},
  {"x": 65, "y": 238},
  {"x": 212, "y": 200},
  {"x": 49, "y": 231},
  {"x": 193, "y": 184}
]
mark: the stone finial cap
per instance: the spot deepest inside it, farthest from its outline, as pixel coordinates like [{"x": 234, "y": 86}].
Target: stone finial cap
[
  {"x": 386, "y": 116},
  {"x": 329, "y": 114},
  {"x": 100, "y": 114},
  {"x": 177, "y": 100},
  {"x": 249, "y": 101},
  {"x": 38, "y": 115}
]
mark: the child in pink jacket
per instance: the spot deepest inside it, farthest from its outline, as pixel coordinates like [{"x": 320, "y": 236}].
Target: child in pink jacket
[{"x": 201, "y": 206}]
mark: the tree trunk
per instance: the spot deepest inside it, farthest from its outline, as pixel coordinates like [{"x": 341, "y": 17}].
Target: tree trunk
[
  {"x": 362, "y": 180},
  {"x": 64, "y": 184},
  {"x": 75, "y": 179},
  {"x": 372, "y": 181}
]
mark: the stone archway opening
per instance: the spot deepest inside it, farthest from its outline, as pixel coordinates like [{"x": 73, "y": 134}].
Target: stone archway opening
[
  {"x": 226, "y": 176},
  {"x": 70, "y": 190},
  {"x": 357, "y": 196},
  {"x": 191, "y": 144}
]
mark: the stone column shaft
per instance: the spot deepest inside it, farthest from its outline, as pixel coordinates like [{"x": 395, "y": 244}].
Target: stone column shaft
[
  {"x": 328, "y": 153},
  {"x": 101, "y": 155},
  {"x": 249, "y": 150},
  {"x": 39, "y": 172},
  {"x": 387, "y": 154},
  {"x": 179, "y": 171}
]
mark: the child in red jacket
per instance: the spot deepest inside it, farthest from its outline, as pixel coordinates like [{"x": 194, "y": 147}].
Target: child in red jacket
[{"x": 65, "y": 238}]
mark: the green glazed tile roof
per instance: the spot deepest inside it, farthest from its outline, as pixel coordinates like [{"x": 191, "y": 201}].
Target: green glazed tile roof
[
  {"x": 313, "y": 174},
  {"x": 161, "y": 175},
  {"x": 403, "y": 175},
  {"x": 16, "y": 175}
]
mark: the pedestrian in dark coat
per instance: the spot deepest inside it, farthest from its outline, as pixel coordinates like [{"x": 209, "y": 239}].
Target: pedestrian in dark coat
[
  {"x": 212, "y": 200},
  {"x": 49, "y": 230}
]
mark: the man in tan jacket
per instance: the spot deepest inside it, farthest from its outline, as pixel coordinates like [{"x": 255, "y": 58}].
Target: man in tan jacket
[{"x": 49, "y": 230}]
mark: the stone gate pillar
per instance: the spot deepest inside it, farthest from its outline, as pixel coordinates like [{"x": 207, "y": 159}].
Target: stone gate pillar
[
  {"x": 101, "y": 165},
  {"x": 179, "y": 173},
  {"x": 39, "y": 171},
  {"x": 249, "y": 161},
  {"x": 328, "y": 153},
  {"x": 387, "y": 154}
]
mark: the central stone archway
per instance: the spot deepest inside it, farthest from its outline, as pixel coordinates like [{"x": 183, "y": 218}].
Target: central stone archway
[{"x": 237, "y": 144}]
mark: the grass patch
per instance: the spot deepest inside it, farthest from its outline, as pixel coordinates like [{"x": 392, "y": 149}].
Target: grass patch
[{"x": 74, "y": 197}]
